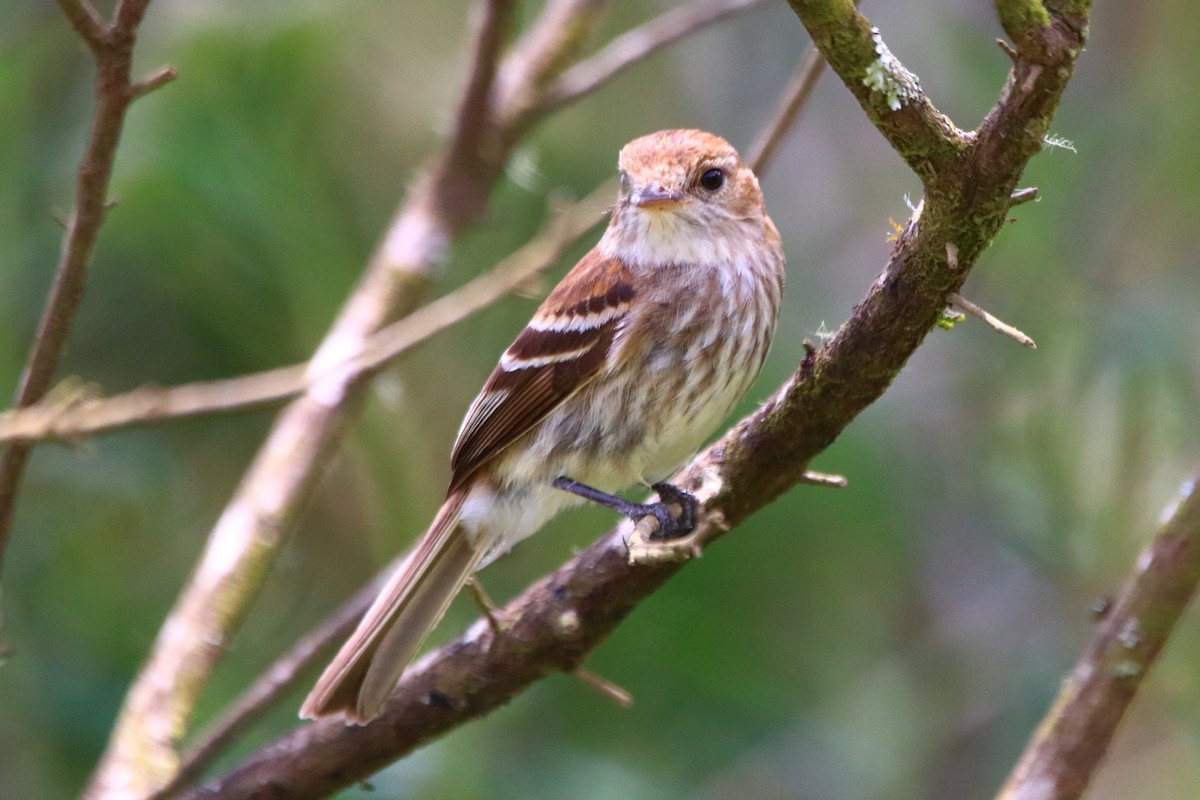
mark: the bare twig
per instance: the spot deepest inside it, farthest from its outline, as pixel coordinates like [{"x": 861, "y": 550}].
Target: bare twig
[
  {"x": 156, "y": 80},
  {"x": 635, "y": 46},
  {"x": 1008, "y": 50},
  {"x": 812, "y": 478},
  {"x": 1026, "y": 195},
  {"x": 112, "y": 47},
  {"x": 51, "y": 420},
  {"x": 1068, "y": 747},
  {"x": 86, "y": 21},
  {"x": 604, "y": 686},
  {"x": 551, "y": 45},
  {"x": 788, "y": 110},
  {"x": 998, "y": 325},
  {"x": 474, "y": 123},
  {"x": 262, "y": 695}
]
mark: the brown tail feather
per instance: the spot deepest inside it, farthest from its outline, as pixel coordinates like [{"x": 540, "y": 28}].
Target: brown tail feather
[{"x": 362, "y": 675}]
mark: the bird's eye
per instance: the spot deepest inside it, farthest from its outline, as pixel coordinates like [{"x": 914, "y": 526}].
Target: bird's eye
[{"x": 713, "y": 179}]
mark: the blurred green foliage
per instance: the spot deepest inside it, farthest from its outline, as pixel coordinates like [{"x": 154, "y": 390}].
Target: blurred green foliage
[{"x": 897, "y": 639}]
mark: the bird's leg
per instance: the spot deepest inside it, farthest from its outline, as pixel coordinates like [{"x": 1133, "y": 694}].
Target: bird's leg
[
  {"x": 584, "y": 675},
  {"x": 483, "y": 602},
  {"x": 670, "y": 526}
]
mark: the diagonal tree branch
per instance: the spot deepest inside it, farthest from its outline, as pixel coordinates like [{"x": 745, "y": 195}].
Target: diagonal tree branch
[
  {"x": 794, "y": 100},
  {"x": 263, "y": 694},
  {"x": 634, "y": 46},
  {"x": 112, "y": 47},
  {"x": 1072, "y": 740},
  {"x": 559, "y": 620},
  {"x": 890, "y": 95}
]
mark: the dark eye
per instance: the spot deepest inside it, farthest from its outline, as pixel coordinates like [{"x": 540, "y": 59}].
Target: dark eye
[{"x": 713, "y": 179}]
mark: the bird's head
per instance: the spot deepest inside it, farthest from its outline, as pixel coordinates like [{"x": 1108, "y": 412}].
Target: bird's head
[{"x": 685, "y": 196}]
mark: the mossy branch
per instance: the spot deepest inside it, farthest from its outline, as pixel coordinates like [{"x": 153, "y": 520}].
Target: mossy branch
[{"x": 890, "y": 95}]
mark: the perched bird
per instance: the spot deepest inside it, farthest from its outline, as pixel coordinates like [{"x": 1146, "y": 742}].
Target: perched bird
[{"x": 629, "y": 365}]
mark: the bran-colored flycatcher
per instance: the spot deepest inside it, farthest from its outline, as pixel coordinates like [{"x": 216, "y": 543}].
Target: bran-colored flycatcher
[{"x": 629, "y": 365}]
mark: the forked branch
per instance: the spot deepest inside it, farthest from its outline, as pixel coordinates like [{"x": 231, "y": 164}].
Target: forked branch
[{"x": 112, "y": 46}]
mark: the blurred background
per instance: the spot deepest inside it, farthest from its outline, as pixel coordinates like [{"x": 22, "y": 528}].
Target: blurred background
[{"x": 897, "y": 639}]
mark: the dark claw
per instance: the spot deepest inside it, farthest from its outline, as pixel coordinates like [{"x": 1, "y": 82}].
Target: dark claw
[{"x": 674, "y": 527}]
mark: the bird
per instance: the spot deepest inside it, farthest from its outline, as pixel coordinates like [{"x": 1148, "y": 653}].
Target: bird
[{"x": 625, "y": 370}]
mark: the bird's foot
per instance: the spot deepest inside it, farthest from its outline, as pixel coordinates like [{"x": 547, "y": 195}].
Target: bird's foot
[
  {"x": 672, "y": 524},
  {"x": 672, "y": 536}
]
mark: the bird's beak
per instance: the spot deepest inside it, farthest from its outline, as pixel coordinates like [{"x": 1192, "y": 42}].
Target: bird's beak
[{"x": 652, "y": 197}]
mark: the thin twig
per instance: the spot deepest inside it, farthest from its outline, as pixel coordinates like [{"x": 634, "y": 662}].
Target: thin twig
[
  {"x": 788, "y": 110},
  {"x": 552, "y": 44},
  {"x": 112, "y": 48},
  {"x": 155, "y": 80},
  {"x": 270, "y": 686},
  {"x": 1071, "y": 742},
  {"x": 998, "y": 325},
  {"x": 825, "y": 479},
  {"x": 1009, "y": 50},
  {"x": 635, "y": 46},
  {"x": 152, "y": 404},
  {"x": 127, "y": 17},
  {"x": 452, "y": 191},
  {"x": 149, "y": 404},
  {"x": 474, "y": 112},
  {"x": 604, "y": 686},
  {"x": 86, "y": 21},
  {"x": 1026, "y": 195}
]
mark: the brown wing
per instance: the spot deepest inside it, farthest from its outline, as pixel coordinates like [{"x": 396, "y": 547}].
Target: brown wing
[{"x": 562, "y": 348}]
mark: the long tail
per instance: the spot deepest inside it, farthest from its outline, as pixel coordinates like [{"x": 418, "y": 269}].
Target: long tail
[{"x": 362, "y": 675}]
